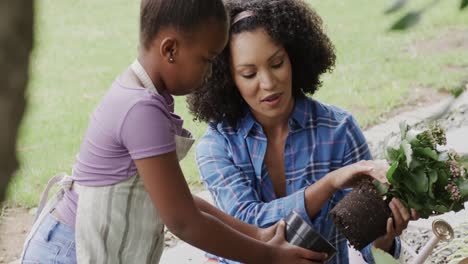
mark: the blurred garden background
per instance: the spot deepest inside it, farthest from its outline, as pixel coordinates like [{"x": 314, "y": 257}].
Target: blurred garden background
[{"x": 81, "y": 46}]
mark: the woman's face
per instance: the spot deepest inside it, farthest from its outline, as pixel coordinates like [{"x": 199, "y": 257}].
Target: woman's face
[{"x": 262, "y": 72}]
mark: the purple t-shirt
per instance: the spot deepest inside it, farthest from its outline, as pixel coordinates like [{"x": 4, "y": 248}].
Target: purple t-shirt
[{"x": 129, "y": 123}]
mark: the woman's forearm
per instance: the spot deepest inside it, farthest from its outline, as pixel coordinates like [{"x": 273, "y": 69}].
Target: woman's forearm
[
  {"x": 317, "y": 194},
  {"x": 246, "y": 229}
]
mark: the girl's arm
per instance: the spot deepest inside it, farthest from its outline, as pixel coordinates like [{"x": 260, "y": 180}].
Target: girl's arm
[
  {"x": 262, "y": 234},
  {"x": 169, "y": 192}
]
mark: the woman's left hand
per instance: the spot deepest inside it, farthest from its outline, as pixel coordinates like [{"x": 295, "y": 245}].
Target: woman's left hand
[
  {"x": 395, "y": 224},
  {"x": 349, "y": 175}
]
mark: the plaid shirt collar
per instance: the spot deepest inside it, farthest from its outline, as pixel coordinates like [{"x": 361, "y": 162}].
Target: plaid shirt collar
[{"x": 248, "y": 124}]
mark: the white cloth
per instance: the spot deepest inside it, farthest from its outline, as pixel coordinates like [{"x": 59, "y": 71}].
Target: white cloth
[{"x": 119, "y": 223}]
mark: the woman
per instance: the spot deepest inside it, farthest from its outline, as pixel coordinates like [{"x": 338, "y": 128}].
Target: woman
[{"x": 269, "y": 149}]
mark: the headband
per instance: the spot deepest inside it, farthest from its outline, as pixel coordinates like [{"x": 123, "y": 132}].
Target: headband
[{"x": 242, "y": 15}]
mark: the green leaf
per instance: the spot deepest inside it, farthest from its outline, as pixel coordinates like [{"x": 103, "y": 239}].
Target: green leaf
[
  {"x": 464, "y": 3},
  {"x": 392, "y": 154},
  {"x": 441, "y": 209},
  {"x": 382, "y": 188},
  {"x": 443, "y": 177},
  {"x": 463, "y": 186},
  {"x": 411, "y": 136},
  {"x": 412, "y": 203},
  {"x": 407, "y": 21},
  {"x": 426, "y": 152},
  {"x": 457, "y": 91},
  {"x": 382, "y": 257},
  {"x": 432, "y": 179},
  {"x": 408, "y": 152},
  {"x": 403, "y": 129},
  {"x": 415, "y": 164},
  {"x": 417, "y": 181},
  {"x": 391, "y": 171},
  {"x": 397, "y": 193},
  {"x": 456, "y": 206}
]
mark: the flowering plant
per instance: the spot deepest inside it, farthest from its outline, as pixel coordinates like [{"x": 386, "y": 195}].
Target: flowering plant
[{"x": 424, "y": 174}]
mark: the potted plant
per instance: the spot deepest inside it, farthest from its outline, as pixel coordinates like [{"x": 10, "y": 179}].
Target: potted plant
[{"x": 423, "y": 175}]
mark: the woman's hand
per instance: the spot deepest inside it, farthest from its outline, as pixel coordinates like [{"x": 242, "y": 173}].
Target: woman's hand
[
  {"x": 347, "y": 176},
  {"x": 287, "y": 253},
  {"x": 395, "y": 224}
]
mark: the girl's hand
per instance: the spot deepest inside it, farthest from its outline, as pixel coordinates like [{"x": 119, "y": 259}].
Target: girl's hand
[
  {"x": 395, "y": 224},
  {"x": 287, "y": 253},
  {"x": 266, "y": 234},
  {"x": 347, "y": 176}
]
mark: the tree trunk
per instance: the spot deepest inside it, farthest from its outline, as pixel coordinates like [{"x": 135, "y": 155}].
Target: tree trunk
[{"x": 16, "y": 40}]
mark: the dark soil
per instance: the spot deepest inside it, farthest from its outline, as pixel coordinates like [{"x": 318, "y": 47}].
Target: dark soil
[{"x": 362, "y": 215}]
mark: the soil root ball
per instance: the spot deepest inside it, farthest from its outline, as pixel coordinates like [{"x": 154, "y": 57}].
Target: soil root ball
[{"x": 361, "y": 216}]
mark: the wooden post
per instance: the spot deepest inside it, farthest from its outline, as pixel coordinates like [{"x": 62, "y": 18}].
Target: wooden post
[{"x": 16, "y": 40}]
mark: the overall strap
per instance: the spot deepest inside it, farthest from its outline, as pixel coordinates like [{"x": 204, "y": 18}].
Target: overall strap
[{"x": 64, "y": 182}]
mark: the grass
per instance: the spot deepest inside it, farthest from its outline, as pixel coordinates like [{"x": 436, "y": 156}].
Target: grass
[{"x": 80, "y": 46}]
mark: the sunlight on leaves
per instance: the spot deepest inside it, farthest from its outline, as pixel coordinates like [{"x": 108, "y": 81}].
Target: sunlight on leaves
[{"x": 407, "y": 21}]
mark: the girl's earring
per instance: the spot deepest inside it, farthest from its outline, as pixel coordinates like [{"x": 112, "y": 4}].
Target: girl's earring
[{"x": 171, "y": 59}]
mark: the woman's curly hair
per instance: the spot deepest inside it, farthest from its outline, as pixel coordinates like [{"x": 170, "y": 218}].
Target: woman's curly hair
[{"x": 290, "y": 23}]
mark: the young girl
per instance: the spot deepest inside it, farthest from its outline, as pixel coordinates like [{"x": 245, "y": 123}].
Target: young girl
[
  {"x": 269, "y": 148},
  {"x": 127, "y": 183}
]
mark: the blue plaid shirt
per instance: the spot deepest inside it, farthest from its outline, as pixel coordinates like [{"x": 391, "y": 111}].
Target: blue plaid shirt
[{"x": 322, "y": 138}]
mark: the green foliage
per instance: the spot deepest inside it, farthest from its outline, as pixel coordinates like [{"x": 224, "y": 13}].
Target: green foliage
[
  {"x": 463, "y": 186},
  {"x": 424, "y": 175},
  {"x": 463, "y": 4},
  {"x": 411, "y": 18},
  {"x": 457, "y": 91},
  {"x": 407, "y": 21}
]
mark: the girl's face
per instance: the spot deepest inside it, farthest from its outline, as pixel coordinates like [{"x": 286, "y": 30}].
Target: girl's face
[
  {"x": 193, "y": 60},
  {"x": 262, "y": 72}
]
